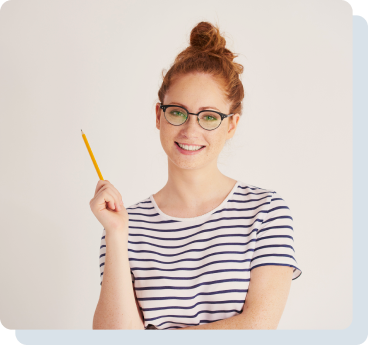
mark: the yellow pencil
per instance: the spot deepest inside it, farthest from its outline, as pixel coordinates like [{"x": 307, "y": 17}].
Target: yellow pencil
[{"x": 92, "y": 157}]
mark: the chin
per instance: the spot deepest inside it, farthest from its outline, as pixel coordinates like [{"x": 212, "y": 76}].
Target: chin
[{"x": 181, "y": 164}]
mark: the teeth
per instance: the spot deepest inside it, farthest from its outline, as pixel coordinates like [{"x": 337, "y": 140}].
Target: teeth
[{"x": 190, "y": 148}]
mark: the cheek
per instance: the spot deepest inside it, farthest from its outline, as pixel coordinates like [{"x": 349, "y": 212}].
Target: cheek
[
  {"x": 167, "y": 134},
  {"x": 217, "y": 141}
]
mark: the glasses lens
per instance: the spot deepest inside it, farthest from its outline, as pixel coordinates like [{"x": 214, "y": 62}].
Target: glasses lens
[
  {"x": 209, "y": 120},
  {"x": 176, "y": 115}
]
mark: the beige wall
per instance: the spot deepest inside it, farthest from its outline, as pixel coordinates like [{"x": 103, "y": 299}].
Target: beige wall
[{"x": 96, "y": 66}]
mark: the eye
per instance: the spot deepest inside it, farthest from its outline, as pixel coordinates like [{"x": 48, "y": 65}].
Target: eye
[
  {"x": 177, "y": 113},
  {"x": 211, "y": 118}
]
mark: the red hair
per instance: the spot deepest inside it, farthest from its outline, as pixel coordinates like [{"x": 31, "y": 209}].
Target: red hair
[{"x": 207, "y": 54}]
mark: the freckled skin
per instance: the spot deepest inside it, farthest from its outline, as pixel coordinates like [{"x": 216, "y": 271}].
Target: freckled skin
[
  {"x": 190, "y": 185},
  {"x": 195, "y": 90}
]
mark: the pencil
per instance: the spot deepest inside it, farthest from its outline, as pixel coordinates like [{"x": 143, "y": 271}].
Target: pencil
[{"x": 92, "y": 157}]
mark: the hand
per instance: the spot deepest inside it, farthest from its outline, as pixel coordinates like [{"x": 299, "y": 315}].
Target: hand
[{"x": 108, "y": 207}]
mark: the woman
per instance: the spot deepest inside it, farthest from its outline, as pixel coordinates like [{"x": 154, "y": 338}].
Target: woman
[{"x": 206, "y": 251}]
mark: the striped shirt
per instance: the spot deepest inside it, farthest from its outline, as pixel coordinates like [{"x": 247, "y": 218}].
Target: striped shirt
[{"x": 192, "y": 271}]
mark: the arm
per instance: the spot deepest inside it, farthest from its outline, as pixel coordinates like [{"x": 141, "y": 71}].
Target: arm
[
  {"x": 265, "y": 301},
  {"x": 117, "y": 307}
]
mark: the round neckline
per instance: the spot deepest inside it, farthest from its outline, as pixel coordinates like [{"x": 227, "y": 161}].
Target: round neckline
[{"x": 198, "y": 218}]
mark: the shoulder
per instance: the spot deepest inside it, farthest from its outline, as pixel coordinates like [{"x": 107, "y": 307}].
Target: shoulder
[
  {"x": 269, "y": 199},
  {"x": 140, "y": 206},
  {"x": 254, "y": 193},
  {"x": 249, "y": 188}
]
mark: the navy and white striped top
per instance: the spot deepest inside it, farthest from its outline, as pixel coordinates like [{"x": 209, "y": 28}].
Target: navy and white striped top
[{"x": 192, "y": 271}]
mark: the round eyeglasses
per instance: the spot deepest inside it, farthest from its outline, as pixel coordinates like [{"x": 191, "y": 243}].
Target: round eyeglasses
[{"x": 207, "y": 119}]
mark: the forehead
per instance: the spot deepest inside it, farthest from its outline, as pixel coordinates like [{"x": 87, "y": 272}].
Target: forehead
[{"x": 197, "y": 90}]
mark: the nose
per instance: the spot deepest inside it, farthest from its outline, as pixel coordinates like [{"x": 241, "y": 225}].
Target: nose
[{"x": 192, "y": 120}]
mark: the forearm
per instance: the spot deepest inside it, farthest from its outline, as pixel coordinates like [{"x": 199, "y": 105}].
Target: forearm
[
  {"x": 248, "y": 319},
  {"x": 116, "y": 308},
  {"x": 234, "y": 322},
  {"x": 264, "y": 304}
]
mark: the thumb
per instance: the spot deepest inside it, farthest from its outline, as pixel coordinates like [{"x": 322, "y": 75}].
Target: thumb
[{"x": 121, "y": 207}]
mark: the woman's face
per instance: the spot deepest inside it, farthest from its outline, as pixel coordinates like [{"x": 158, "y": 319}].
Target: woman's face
[{"x": 195, "y": 91}]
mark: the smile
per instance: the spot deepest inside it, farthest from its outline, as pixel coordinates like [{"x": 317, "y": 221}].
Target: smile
[{"x": 189, "y": 149}]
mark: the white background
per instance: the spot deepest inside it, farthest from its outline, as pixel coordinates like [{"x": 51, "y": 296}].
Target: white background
[{"x": 96, "y": 65}]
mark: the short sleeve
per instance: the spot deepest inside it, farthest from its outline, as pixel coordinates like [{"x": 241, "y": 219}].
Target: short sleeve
[
  {"x": 103, "y": 255},
  {"x": 275, "y": 238}
]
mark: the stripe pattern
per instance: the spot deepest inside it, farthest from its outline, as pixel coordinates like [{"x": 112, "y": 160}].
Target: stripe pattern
[{"x": 192, "y": 271}]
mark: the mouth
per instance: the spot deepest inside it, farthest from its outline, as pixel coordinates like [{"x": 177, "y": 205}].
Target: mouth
[{"x": 196, "y": 150}]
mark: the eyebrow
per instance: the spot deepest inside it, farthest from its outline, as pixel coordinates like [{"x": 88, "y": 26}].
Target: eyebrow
[{"x": 201, "y": 108}]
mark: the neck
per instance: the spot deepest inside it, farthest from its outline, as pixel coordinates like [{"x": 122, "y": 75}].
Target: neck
[{"x": 190, "y": 188}]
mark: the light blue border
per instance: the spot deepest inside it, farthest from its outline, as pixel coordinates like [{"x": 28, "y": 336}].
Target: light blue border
[{"x": 356, "y": 333}]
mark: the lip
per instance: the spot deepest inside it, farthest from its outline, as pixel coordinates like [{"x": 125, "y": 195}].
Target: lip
[
  {"x": 189, "y": 144},
  {"x": 185, "y": 152}
]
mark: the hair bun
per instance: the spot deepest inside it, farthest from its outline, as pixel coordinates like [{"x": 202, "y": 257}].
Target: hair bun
[
  {"x": 206, "y": 37},
  {"x": 207, "y": 54}
]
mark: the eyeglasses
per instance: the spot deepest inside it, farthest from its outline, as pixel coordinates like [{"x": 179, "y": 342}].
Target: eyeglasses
[{"x": 207, "y": 119}]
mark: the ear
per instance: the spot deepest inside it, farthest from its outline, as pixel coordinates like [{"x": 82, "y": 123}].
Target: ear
[
  {"x": 158, "y": 115},
  {"x": 233, "y": 124}
]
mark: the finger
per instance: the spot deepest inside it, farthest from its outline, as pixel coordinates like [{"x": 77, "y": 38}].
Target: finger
[
  {"x": 118, "y": 195},
  {"x": 100, "y": 184},
  {"x": 104, "y": 185},
  {"x": 107, "y": 199},
  {"x": 109, "y": 196},
  {"x": 119, "y": 201},
  {"x": 114, "y": 192}
]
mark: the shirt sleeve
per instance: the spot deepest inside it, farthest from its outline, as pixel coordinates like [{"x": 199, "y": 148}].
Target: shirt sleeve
[
  {"x": 103, "y": 255},
  {"x": 274, "y": 240}
]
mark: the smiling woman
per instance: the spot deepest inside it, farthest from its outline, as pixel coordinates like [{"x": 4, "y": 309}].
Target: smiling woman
[{"x": 206, "y": 251}]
